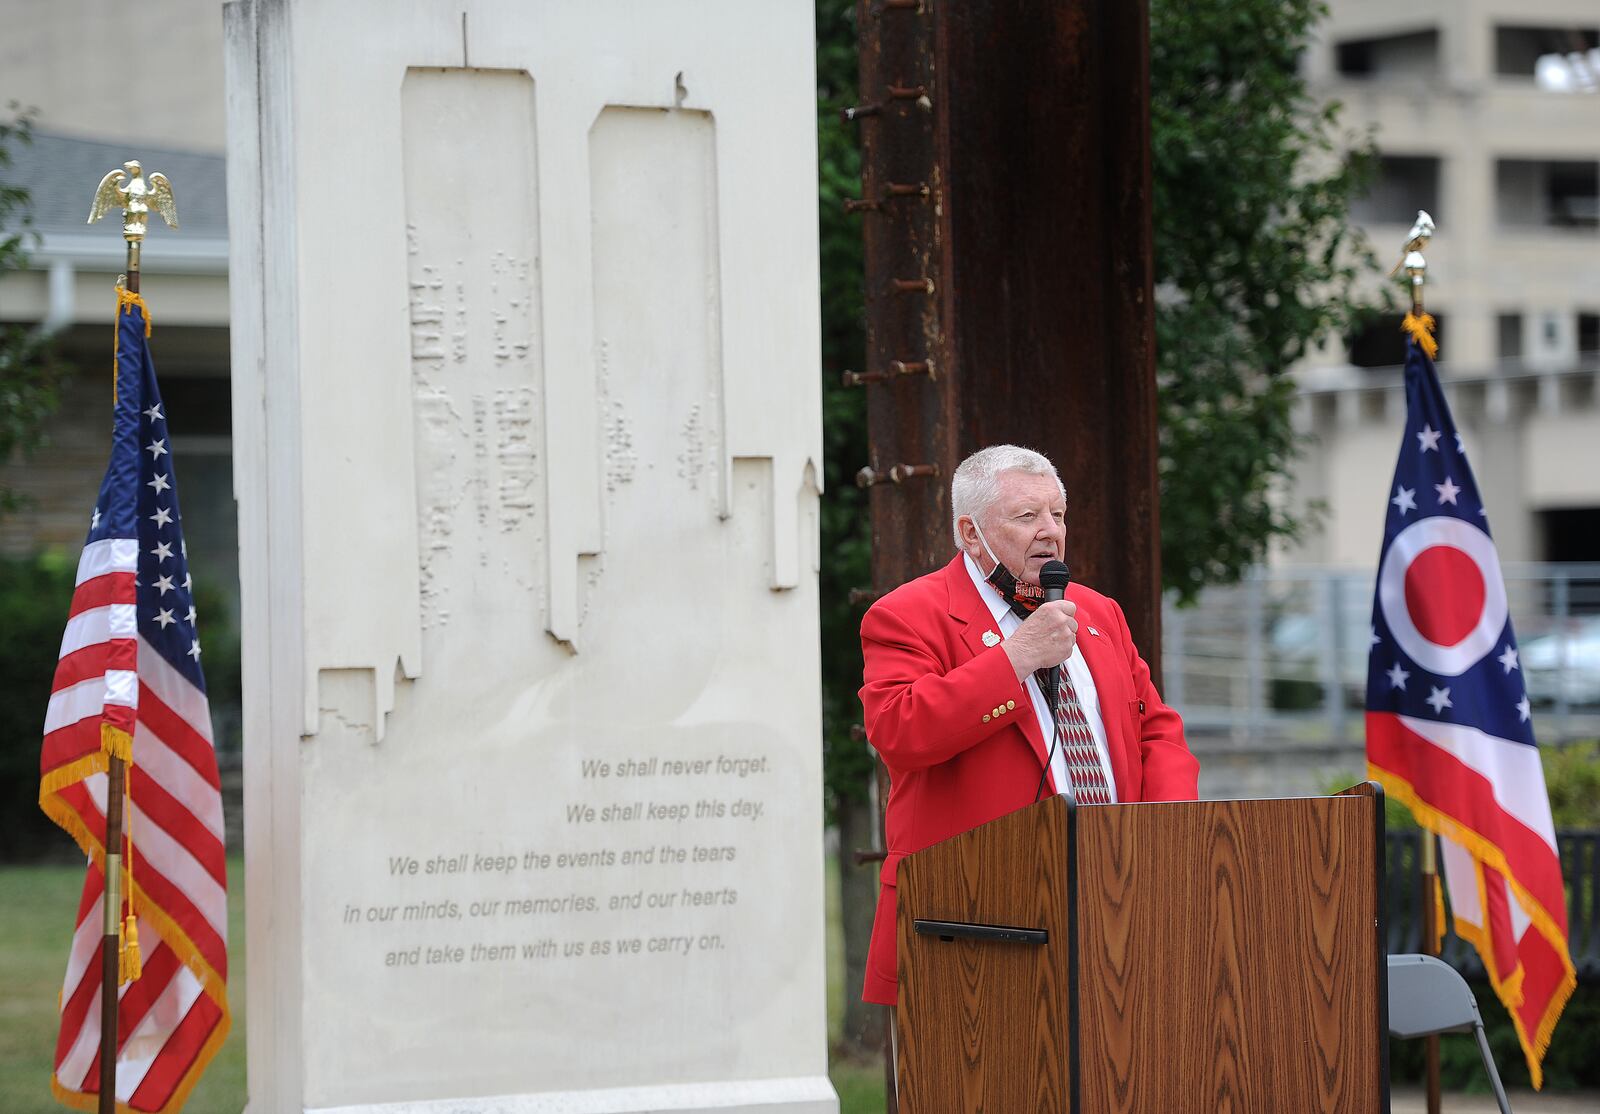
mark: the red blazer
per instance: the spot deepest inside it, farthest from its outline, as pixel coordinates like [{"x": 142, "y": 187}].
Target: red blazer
[{"x": 932, "y": 691}]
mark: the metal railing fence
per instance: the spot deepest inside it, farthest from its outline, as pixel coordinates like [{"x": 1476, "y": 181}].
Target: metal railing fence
[
  {"x": 1283, "y": 654},
  {"x": 1580, "y": 866}
]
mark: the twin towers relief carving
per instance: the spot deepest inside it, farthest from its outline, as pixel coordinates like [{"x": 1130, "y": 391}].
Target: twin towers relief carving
[{"x": 550, "y": 492}]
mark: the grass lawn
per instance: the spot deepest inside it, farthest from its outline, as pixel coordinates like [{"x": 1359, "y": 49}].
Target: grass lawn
[
  {"x": 859, "y": 1083},
  {"x": 37, "y": 905}
]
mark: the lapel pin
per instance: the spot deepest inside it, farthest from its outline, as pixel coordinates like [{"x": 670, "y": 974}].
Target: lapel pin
[
  {"x": 1094, "y": 632},
  {"x": 990, "y": 638}
]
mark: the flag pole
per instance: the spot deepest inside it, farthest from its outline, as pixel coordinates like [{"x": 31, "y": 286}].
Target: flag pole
[
  {"x": 129, "y": 190},
  {"x": 116, "y": 782},
  {"x": 1416, "y": 269},
  {"x": 1431, "y": 931},
  {"x": 111, "y": 941}
]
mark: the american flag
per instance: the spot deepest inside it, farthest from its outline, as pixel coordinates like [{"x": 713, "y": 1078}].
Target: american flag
[
  {"x": 1449, "y": 726},
  {"x": 130, "y": 668}
]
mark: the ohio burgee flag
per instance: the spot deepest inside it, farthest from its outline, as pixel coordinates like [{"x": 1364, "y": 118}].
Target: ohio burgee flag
[
  {"x": 1449, "y": 729},
  {"x": 128, "y": 683}
]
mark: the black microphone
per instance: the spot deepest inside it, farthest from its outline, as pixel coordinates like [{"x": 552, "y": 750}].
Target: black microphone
[{"x": 1053, "y": 578}]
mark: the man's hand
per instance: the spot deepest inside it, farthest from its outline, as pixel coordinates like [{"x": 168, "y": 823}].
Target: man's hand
[{"x": 1045, "y": 638}]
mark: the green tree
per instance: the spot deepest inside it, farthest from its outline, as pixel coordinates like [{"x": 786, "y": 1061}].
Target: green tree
[
  {"x": 29, "y": 377},
  {"x": 846, "y": 538},
  {"x": 1255, "y": 262}
]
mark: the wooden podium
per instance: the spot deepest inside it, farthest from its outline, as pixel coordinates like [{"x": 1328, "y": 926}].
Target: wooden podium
[{"x": 1192, "y": 956}]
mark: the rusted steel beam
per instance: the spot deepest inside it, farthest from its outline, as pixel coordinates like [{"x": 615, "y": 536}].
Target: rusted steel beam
[
  {"x": 1025, "y": 278},
  {"x": 908, "y": 407}
]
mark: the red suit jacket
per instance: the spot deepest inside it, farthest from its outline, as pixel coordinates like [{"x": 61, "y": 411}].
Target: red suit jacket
[{"x": 931, "y": 692}]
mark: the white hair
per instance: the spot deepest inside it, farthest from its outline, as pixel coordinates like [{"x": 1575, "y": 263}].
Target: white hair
[{"x": 976, "y": 484}]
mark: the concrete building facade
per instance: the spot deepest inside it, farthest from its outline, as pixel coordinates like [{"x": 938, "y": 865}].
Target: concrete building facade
[
  {"x": 1486, "y": 113},
  {"x": 101, "y": 89}
]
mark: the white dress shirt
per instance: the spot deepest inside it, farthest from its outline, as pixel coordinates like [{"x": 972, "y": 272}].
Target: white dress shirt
[{"x": 1077, "y": 672}]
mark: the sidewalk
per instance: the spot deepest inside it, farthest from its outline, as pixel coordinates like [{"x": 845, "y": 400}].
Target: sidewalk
[{"x": 1410, "y": 1100}]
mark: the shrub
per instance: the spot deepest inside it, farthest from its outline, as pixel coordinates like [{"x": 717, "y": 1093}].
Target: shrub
[
  {"x": 1572, "y": 775},
  {"x": 35, "y": 593}
]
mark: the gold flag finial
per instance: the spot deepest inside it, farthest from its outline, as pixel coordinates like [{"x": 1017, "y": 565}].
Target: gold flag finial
[
  {"x": 129, "y": 190},
  {"x": 1418, "y": 324},
  {"x": 1411, "y": 261}
]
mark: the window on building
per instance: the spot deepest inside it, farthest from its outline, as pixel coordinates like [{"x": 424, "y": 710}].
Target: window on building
[
  {"x": 1412, "y": 55},
  {"x": 1381, "y": 343},
  {"x": 1509, "y": 330},
  {"x": 1403, "y": 184},
  {"x": 1560, "y": 59},
  {"x": 1571, "y": 534},
  {"x": 1547, "y": 193},
  {"x": 1589, "y": 334}
]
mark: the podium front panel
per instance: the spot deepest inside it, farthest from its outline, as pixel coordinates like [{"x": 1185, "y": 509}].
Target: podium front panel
[
  {"x": 984, "y": 1023},
  {"x": 1230, "y": 956}
]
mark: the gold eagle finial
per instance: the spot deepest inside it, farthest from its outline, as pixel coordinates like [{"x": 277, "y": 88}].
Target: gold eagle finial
[
  {"x": 128, "y": 189},
  {"x": 1417, "y": 239}
]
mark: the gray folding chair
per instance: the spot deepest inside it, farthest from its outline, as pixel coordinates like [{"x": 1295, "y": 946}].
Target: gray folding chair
[{"x": 1428, "y": 996}]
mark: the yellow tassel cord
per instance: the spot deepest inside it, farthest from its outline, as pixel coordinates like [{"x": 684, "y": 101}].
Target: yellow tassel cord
[
  {"x": 1420, "y": 329},
  {"x": 126, "y": 300},
  {"x": 130, "y": 965},
  {"x": 116, "y": 743},
  {"x": 1508, "y": 987}
]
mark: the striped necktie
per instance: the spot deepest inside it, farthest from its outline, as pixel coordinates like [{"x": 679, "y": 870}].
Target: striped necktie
[{"x": 1084, "y": 771}]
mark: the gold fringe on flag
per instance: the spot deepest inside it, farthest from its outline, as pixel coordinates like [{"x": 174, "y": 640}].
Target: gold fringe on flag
[
  {"x": 1420, "y": 329},
  {"x": 116, "y": 743}
]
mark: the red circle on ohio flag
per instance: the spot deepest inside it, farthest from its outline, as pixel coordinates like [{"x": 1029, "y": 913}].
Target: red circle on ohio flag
[{"x": 1444, "y": 594}]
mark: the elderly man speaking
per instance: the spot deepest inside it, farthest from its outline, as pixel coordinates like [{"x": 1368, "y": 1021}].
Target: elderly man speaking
[{"x": 955, "y": 661}]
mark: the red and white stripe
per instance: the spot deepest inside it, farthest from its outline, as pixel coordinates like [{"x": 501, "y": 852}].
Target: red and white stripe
[
  {"x": 177, "y": 1009},
  {"x": 95, "y": 680}
]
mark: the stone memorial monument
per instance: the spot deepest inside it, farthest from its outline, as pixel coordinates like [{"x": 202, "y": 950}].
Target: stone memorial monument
[{"x": 528, "y": 443}]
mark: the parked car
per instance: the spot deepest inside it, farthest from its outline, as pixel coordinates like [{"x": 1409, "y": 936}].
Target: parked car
[{"x": 1564, "y": 665}]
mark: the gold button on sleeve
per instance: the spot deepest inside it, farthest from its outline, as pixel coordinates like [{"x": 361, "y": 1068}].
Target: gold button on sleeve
[{"x": 1010, "y": 704}]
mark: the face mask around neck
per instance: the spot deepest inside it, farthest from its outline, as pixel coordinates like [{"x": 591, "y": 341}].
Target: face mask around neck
[{"x": 1023, "y": 599}]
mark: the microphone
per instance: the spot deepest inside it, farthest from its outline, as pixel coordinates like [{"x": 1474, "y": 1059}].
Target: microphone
[{"x": 1054, "y": 578}]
